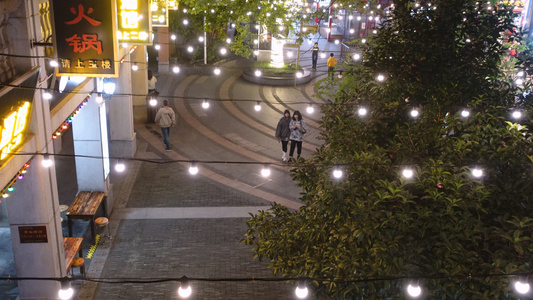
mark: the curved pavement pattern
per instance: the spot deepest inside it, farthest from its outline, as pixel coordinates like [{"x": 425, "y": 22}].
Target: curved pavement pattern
[{"x": 167, "y": 223}]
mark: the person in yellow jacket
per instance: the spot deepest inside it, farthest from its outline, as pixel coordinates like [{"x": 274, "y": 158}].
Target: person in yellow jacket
[{"x": 331, "y": 65}]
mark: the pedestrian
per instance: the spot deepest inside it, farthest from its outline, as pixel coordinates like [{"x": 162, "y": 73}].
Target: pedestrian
[
  {"x": 331, "y": 65},
  {"x": 151, "y": 83},
  {"x": 314, "y": 55},
  {"x": 166, "y": 118},
  {"x": 283, "y": 132},
  {"x": 298, "y": 129}
]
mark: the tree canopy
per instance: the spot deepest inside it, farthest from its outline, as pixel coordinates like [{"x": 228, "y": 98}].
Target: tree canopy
[{"x": 372, "y": 231}]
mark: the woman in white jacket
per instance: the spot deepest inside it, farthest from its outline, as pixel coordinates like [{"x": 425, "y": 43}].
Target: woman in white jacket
[{"x": 298, "y": 129}]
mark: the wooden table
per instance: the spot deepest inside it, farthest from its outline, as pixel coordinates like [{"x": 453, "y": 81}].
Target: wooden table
[
  {"x": 72, "y": 247},
  {"x": 85, "y": 207}
]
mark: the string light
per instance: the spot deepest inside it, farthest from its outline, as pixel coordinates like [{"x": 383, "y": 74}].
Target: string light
[
  {"x": 521, "y": 287},
  {"x": 185, "y": 22},
  {"x": 357, "y": 56},
  {"x": 517, "y": 114},
  {"x": 99, "y": 99},
  {"x": 465, "y": 113},
  {"x": 223, "y": 51},
  {"x": 135, "y": 67},
  {"x": 152, "y": 102},
  {"x": 414, "y": 290},
  {"x": 301, "y": 290},
  {"x": 47, "y": 162},
  {"x": 289, "y": 54},
  {"x": 47, "y": 95},
  {"x": 205, "y": 104},
  {"x": 66, "y": 292},
  {"x": 299, "y": 74},
  {"x": 190, "y": 49},
  {"x": 217, "y": 71},
  {"x": 265, "y": 172},
  {"x": 228, "y": 41},
  {"x": 193, "y": 169},
  {"x": 407, "y": 173},
  {"x": 119, "y": 166},
  {"x": 176, "y": 69},
  {"x": 380, "y": 77},
  {"x": 362, "y": 111},
  {"x": 476, "y": 172},
  {"x": 257, "y": 106},
  {"x": 53, "y": 63},
  {"x": 415, "y": 113},
  {"x": 173, "y": 37},
  {"x": 157, "y": 47},
  {"x": 337, "y": 173},
  {"x": 256, "y": 52},
  {"x": 310, "y": 109}
]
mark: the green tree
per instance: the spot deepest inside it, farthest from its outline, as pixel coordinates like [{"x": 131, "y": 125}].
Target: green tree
[{"x": 453, "y": 233}]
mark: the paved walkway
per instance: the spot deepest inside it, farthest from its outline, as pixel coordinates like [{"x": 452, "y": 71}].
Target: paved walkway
[{"x": 167, "y": 223}]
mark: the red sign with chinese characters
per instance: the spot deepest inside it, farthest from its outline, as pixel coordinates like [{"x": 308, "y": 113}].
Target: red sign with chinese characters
[
  {"x": 33, "y": 234},
  {"x": 85, "y": 40}
]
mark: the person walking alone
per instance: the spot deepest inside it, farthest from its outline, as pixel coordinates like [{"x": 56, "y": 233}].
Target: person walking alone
[
  {"x": 331, "y": 65},
  {"x": 314, "y": 55},
  {"x": 166, "y": 118},
  {"x": 298, "y": 129},
  {"x": 283, "y": 132}
]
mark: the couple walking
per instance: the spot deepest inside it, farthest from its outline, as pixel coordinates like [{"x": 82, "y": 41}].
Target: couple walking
[{"x": 292, "y": 129}]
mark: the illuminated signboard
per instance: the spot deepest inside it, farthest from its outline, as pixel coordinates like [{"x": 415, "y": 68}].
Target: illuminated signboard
[
  {"x": 173, "y": 4},
  {"x": 12, "y": 129},
  {"x": 85, "y": 39},
  {"x": 134, "y": 22},
  {"x": 159, "y": 13}
]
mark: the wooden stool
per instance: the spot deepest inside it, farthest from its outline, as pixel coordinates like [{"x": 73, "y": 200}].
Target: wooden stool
[
  {"x": 79, "y": 263},
  {"x": 103, "y": 222}
]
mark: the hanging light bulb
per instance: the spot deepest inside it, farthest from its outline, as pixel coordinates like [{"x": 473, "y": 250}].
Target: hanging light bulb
[
  {"x": 289, "y": 54},
  {"x": 337, "y": 173},
  {"x": 120, "y": 167},
  {"x": 205, "y": 104},
  {"x": 173, "y": 37},
  {"x": 223, "y": 51},
  {"x": 153, "y": 102},
  {"x": 380, "y": 78},
  {"x": 310, "y": 109},
  {"x": 519, "y": 81},
  {"x": 414, "y": 290},
  {"x": 352, "y": 31},
  {"x": 184, "y": 291},
  {"x": 357, "y": 56},
  {"x": 521, "y": 286},
  {"x": 193, "y": 169},
  {"x": 47, "y": 95},
  {"x": 53, "y": 63},
  {"x": 5, "y": 195},
  {"x": 362, "y": 111},
  {"x": 135, "y": 67},
  {"x": 217, "y": 71},
  {"x": 309, "y": 42},
  {"x": 185, "y": 22},
  {"x": 265, "y": 172},
  {"x": 257, "y": 73},
  {"x": 476, "y": 172},
  {"x": 465, "y": 113},
  {"x": 301, "y": 290},
  {"x": 363, "y": 41},
  {"x": 299, "y": 74},
  {"x": 520, "y": 74},
  {"x": 47, "y": 162},
  {"x": 337, "y": 42},
  {"x": 190, "y": 49},
  {"x": 99, "y": 99},
  {"x": 176, "y": 69},
  {"x": 228, "y": 41},
  {"x": 200, "y": 39},
  {"x": 257, "y": 106},
  {"x": 157, "y": 47},
  {"x": 256, "y": 41},
  {"x": 359, "y": 18},
  {"x": 414, "y": 113},
  {"x": 66, "y": 292},
  {"x": 407, "y": 173},
  {"x": 256, "y": 52},
  {"x": 517, "y": 114}
]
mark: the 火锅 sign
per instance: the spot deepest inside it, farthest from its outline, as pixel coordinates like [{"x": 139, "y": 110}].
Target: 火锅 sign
[{"x": 84, "y": 37}]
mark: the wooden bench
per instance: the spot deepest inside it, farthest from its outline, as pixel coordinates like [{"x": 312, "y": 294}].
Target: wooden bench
[
  {"x": 85, "y": 207},
  {"x": 72, "y": 247}
]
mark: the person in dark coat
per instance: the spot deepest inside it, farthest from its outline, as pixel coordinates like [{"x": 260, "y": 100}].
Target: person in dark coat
[
  {"x": 283, "y": 132},
  {"x": 314, "y": 55}
]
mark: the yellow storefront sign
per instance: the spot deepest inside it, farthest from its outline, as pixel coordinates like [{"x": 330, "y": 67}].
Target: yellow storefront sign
[
  {"x": 134, "y": 22},
  {"x": 12, "y": 129}
]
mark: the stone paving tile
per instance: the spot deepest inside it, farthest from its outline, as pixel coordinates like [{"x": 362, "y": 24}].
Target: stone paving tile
[
  {"x": 175, "y": 187},
  {"x": 202, "y": 248}
]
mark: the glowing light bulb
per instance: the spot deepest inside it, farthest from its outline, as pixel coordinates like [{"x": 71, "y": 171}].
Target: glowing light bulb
[
  {"x": 190, "y": 49},
  {"x": 517, "y": 114},
  {"x": 352, "y": 31},
  {"x": 289, "y": 54},
  {"x": 47, "y": 95},
  {"x": 205, "y": 104},
  {"x": 47, "y": 162},
  {"x": 414, "y": 291},
  {"x": 157, "y": 47},
  {"x": 201, "y": 39},
  {"x": 337, "y": 42},
  {"x": 362, "y": 111},
  {"x": 53, "y": 63},
  {"x": 414, "y": 113},
  {"x": 299, "y": 74},
  {"x": 407, "y": 173},
  {"x": 257, "y": 106},
  {"x": 521, "y": 287},
  {"x": 363, "y": 41},
  {"x": 120, "y": 167},
  {"x": 519, "y": 74},
  {"x": 257, "y": 73},
  {"x": 173, "y": 37},
  {"x": 323, "y": 55},
  {"x": 310, "y": 109},
  {"x": 265, "y": 172},
  {"x": 185, "y": 292},
  {"x": 65, "y": 294},
  {"x": 357, "y": 56},
  {"x": 176, "y": 69},
  {"x": 135, "y": 67},
  {"x": 193, "y": 169},
  {"x": 477, "y": 172},
  {"x": 99, "y": 99},
  {"x": 228, "y": 41},
  {"x": 337, "y": 173},
  {"x": 256, "y": 52},
  {"x": 465, "y": 113},
  {"x": 301, "y": 293},
  {"x": 380, "y": 77},
  {"x": 223, "y": 51},
  {"x": 185, "y": 22},
  {"x": 217, "y": 71},
  {"x": 519, "y": 81},
  {"x": 152, "y": 102}
]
